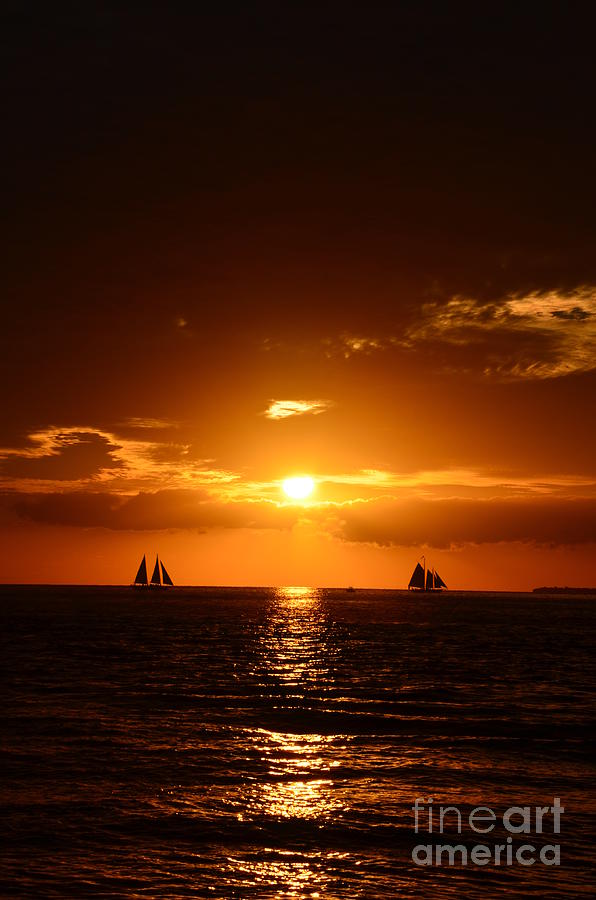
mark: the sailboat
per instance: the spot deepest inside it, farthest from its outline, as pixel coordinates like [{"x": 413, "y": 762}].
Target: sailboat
[
  {"x": 159, "y": 579},
  {"x": 424, "y": 579}
]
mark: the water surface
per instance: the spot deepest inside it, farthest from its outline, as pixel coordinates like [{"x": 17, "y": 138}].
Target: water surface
[{"x": 258, "y": 743}]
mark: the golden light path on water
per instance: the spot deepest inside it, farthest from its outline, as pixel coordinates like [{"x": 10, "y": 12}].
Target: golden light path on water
[{"x": 297, "y": 788}]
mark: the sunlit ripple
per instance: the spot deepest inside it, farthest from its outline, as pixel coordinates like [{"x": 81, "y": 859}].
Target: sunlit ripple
[
  {"x": 296, "y": 592},
  {"x": 287, "y": 873},
  {"x": 297, "y": 786},
  {"x": 294, "y": 652},
  {"x": 294, "y": 648}
]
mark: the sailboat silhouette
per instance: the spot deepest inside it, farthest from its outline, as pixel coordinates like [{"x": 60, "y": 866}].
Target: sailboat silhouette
[
  {"x": 424, "y": 579},
  {"x": 159, "y": 579}
]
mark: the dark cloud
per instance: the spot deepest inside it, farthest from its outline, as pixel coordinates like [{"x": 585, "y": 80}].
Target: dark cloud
[
  {"x": 71, "y": 457},
  {"x": 445, "y": 523},
  {"x": 522, "y": 335},
  {"x": 577, "y": 314},
  {"x": 174, "y": 509},
  {"x": 413, "y": 522}
]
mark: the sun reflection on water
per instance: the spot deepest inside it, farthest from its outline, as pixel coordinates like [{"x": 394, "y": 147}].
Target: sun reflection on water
[
  {"x": 297, "y": 784},
  {"x": 283, "y": 785},
  {"x": 295, "y": 591},
  {"x": 286, "y": 872},
  {"x": 294, "y": 648}
]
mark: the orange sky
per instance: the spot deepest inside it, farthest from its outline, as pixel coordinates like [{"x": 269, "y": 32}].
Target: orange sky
[
  {"x": 82, "y": 503},
  {"x": 353, "y": 260}
]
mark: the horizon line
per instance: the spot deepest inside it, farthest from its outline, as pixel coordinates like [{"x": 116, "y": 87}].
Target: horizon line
[{"x": 271, "y": 587}]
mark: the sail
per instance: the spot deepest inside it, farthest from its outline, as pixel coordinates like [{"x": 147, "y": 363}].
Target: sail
[
  {"x": 155, "y": 579},
  {"x": 417, "y": 579},
  {"x": 439, "y": 583},
  {"x": 166, "y": 578},
  {"x": 429, "y": 580},
  {"x": 141, "y": 576}
]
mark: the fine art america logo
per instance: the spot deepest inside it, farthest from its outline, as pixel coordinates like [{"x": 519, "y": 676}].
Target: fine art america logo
[{"x": 520, "y": 821}]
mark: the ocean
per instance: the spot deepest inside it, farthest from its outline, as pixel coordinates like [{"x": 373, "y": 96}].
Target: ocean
[{"x": 260, "y": 743}]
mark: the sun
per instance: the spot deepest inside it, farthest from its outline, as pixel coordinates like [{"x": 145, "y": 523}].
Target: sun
[{"x": 299, "y": 487}]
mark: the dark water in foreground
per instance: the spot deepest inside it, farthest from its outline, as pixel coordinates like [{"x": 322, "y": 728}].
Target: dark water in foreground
[{"x": 244, "y": 743}]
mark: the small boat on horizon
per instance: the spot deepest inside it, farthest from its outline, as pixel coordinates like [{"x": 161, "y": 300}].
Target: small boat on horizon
[
  {"x": 426, "y": 579},
  {"x": 159, "y": 579}
]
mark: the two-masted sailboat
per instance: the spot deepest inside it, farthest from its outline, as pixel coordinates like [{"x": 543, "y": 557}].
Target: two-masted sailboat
[
  {"x": 426, "y": 579},
  {"x": 159, "y": 579}
]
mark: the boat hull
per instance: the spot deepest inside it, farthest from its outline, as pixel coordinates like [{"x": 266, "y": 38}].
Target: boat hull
[
  {"x": 428, "y": 590},
  {"x": 151, "y": 587}
]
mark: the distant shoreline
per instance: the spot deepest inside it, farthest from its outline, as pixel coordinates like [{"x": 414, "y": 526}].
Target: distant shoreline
[{"x": 564, "y": 590}]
